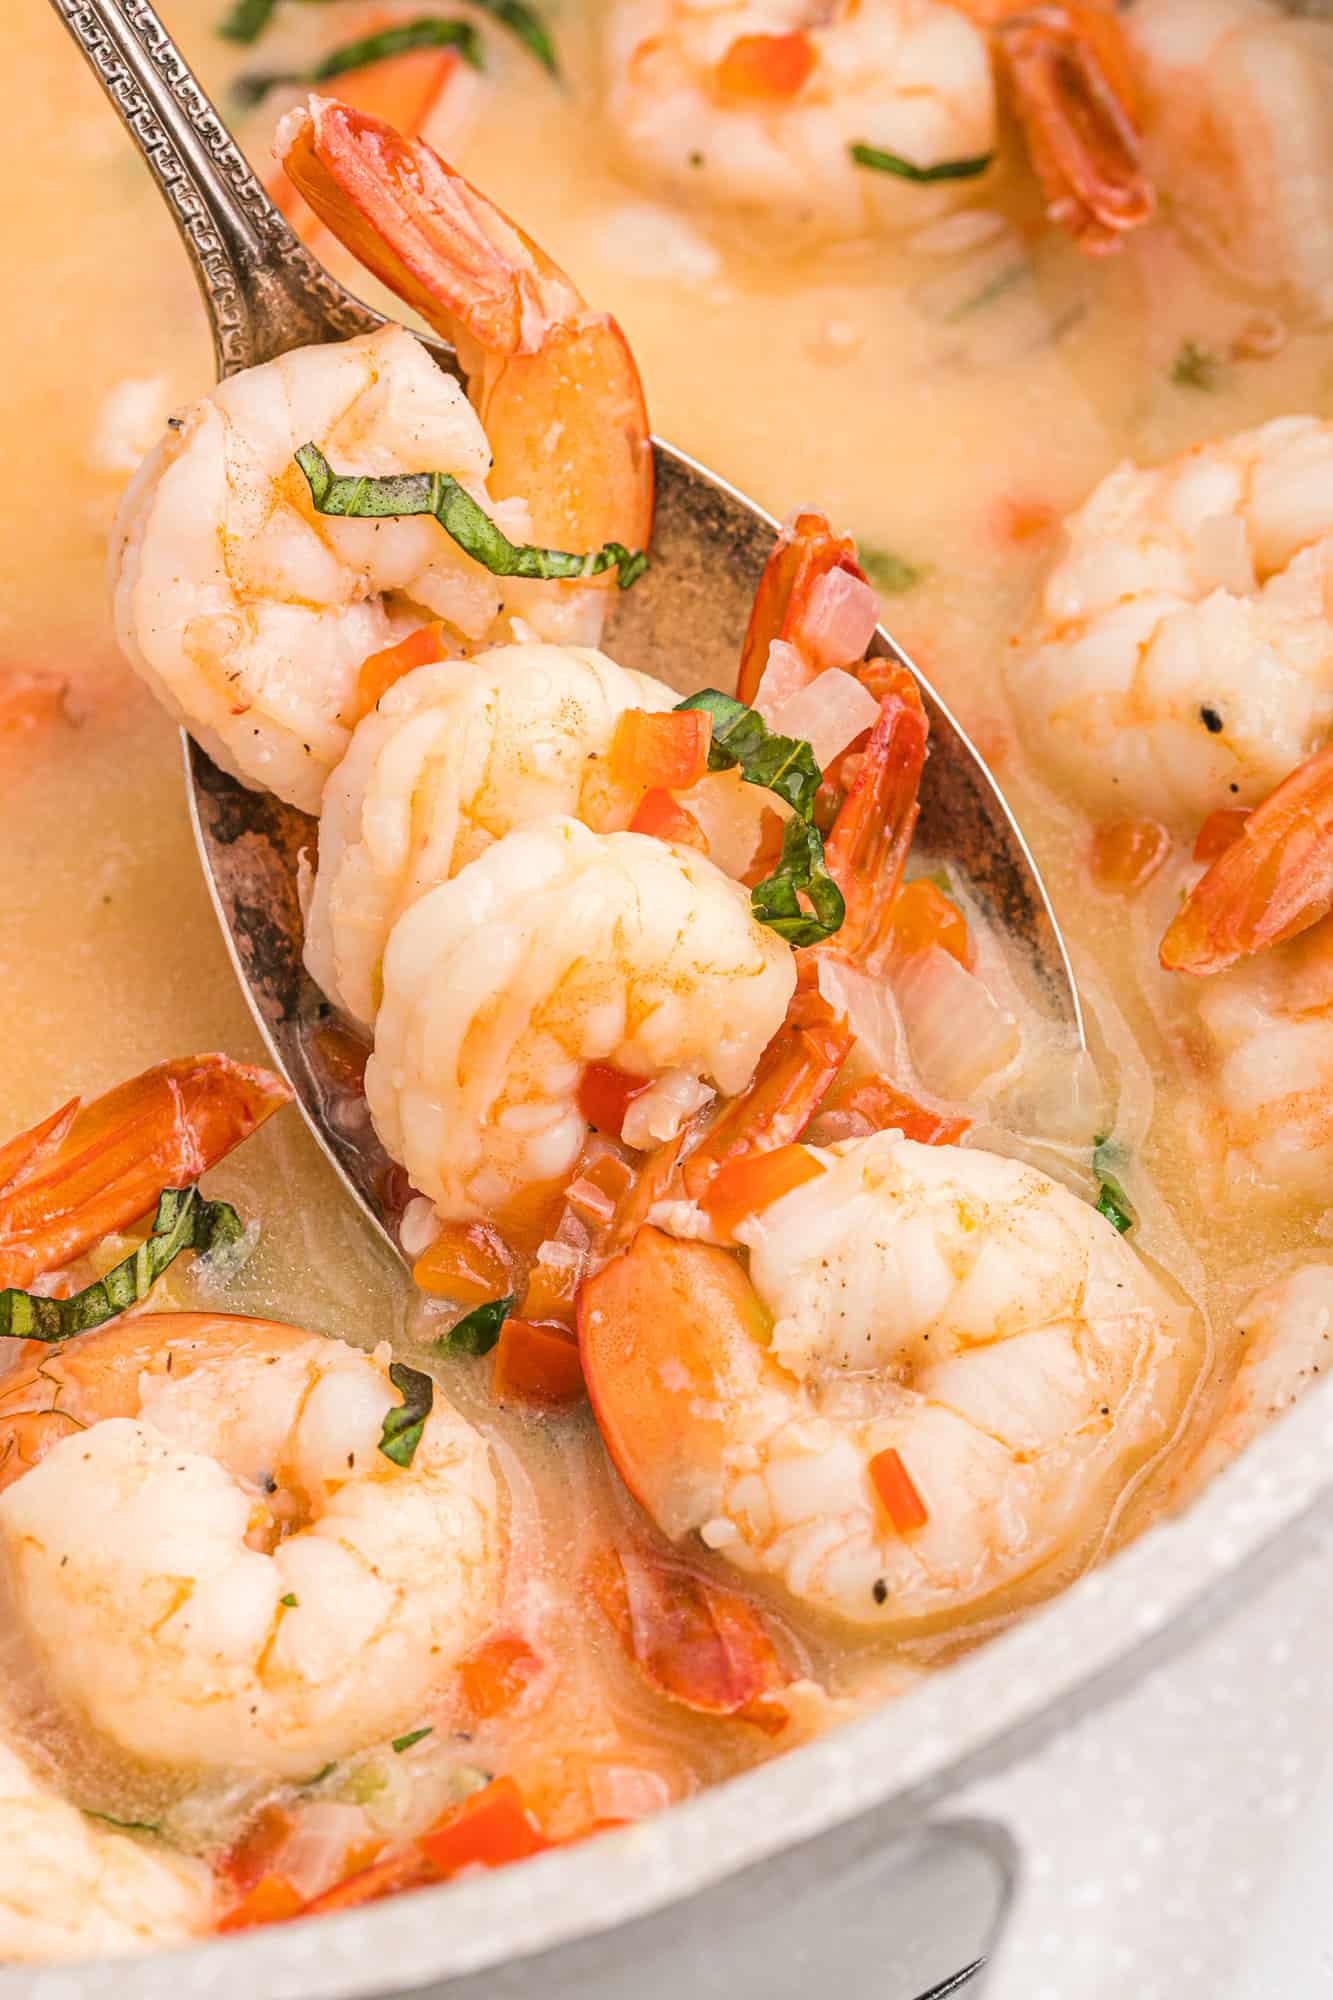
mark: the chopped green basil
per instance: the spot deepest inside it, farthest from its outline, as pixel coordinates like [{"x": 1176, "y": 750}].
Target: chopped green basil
[
  {"x": 428, "y": 32},
  {"x": 889, "y": 573},
  {"x": 324, "y": 1771},
  {"x": 775, "y": 901},
  {"x": 401, "y": 1743},
  {"x": 784, "y": 765},
  {"x": 184, "y": 1221},
  {"x": 478, "y": 1331},
  {"x": 125, "y": 1825},
  {"x": 1195, "y": 367},
  {"x": 1112, "y": 1201},
  {"x": 527, "y": 26},
  {"x": 405, "y": 1422},
  {"x": 291, "y": 1600},
  {"x": 365, "y": 499},
  {"x": 907, "y": 170},
  {"x": 246, "y": 20}
]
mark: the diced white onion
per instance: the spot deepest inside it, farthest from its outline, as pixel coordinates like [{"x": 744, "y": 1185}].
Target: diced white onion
[
  {"x": 960, "y": 1037},
  {"x": 419, "y": 1227},
  {"x": 314, "y": 1856},
  {"x": 658, "y": 1113},
  {"x": 830, "y": 713},
  {"x": 839, "y": 621},
  {"x": 872, "y": 1011},
  {"x": 786, "y": 672}
]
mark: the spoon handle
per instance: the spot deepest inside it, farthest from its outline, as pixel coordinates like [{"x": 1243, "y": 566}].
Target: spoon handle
[{"x": 263, "y": 291}]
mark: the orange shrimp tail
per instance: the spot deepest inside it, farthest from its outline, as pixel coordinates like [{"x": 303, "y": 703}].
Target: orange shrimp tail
[
  {"x": 1272, "y": 882},
  {"x": 868, "y": 845},
  {"x": 789, "y": 1083},
  {"x": 691, "y": 1639},
  {"x": 1072, "y": 88},
  {"x": 555, "y": 385},
  {"x": 801, "y": 555},
  {"x": 88, "y": 1170}
]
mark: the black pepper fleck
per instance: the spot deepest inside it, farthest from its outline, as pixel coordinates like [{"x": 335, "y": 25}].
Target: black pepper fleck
[
  {"x": 1211, "y": 720},
  {"x": 879, "y": 1590}
]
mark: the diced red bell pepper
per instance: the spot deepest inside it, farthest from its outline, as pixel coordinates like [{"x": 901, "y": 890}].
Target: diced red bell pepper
[
  {"x": 766, "y": 68},
  {"x": 667, "y": 751},
  {"x": 537, "y": 1363},
  {"x": 489, "y": 1830},
  {"x": 665, "y": 818},
  {"x": 899, "y": 1497},
  {"x": 605, "y": 1095}
]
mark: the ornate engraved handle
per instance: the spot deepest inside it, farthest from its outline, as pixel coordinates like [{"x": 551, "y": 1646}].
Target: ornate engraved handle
[{"x": 263, "y": 291}]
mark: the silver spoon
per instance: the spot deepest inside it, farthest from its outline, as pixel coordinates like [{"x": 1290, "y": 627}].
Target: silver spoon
[{"x": 264, "y": 293}]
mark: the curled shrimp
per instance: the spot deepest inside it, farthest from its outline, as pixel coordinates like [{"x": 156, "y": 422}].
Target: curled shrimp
[
  {"x": 1287, "y": 1335},
  {"x": 555, "y": 949},
  {"x": 937, "y": 1375},
  {"x": 453, "y": 757},
  {"x": 72, "y": 1888},
  {"x": 88, "y": 1170},
  {"x": 758, "y": 106},
  {"x": 1182, "y": 658},
  {"x": 211, "y": 1559},
  {"x": 554, "y": 383},
  {"x": 1236, "y": 96}
]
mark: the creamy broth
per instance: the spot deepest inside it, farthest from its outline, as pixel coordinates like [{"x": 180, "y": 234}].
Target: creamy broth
[{"x": 945, "y": 406}]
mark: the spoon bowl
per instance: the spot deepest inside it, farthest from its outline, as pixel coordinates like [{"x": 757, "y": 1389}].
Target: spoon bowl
[{"x": 265, "y": 294}]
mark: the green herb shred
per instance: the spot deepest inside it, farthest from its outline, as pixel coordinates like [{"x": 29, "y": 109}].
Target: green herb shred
[
  {"x": 785, "y": 766},
  {"x": 361, "y": 498},
  {"x": 1112, "y": 1201},
  {"x": 906, "y": 170},
  {"x": 526, "y": 26},
  {"x": 776, "y": 902},
  {"x": 125, "y": 1825},
  {"x": 184, "y": 1221},
  {"x": 1195, "y": 367},
  {"x": 246, "y": 20},
  {"x": 404, "y": 1423},
  {"x": 290, "y": 1601},
  {"x": 889, "y": 573},
  {"x": 427, "y": 32},
  {"x": 401, "y": 1743},
  {"x": 478, "y": 1331}
]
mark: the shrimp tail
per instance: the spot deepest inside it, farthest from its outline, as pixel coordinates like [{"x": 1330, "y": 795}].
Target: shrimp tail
[
  {"x": 555, "y": 384},
  {"x": 1072, "y": 90},
  {"x": 86, "y": 1171},
  {"x": 802, "y": 554},
  {"x": 1272, "y": 882},
  {"x": 868, "y": 844}
]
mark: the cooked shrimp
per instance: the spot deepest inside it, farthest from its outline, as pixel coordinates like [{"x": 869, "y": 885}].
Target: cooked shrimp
[
  {"x": 1236, "y": 124},
  {"x": 1269, "y": 1028},
  {"x": 939, "y": 1374},
  {"x": 554, "y": 382},
  {"x": 1287, "y": 1329},
  {"x": 1182, "y": 658},
  {"x": 87, "y": 1170},
  {"x": 211, "y": 1559},
  {"x": 71, "y": 1888},
  {"x": 557, "y": 948},
  {"x": 248, "y": 614},
  {"x": 453, "y": 757},
  {"x": 757, "y": 104}
]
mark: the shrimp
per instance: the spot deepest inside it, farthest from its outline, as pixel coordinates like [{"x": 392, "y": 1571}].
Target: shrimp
[
  {"x": 453, "y": 757},
  {"x": 1287, "y": 1329},
  {"x": 71, "y": 1888},
  {"x": 1182, "y": 657},
  {"x": 1236, "y": 125},
  {"x": 87, "y": 1170},
  {"x": 559, "y": 947},
  {"x": 211, "y": 1560},
  {"x": 1268, "y": 1028},
  {"x": 758, "y": 104},
  {"x": 554, "y": 383},
  {"x": 249, "y": 614},
  {"x": 939, "y": 1375}
]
